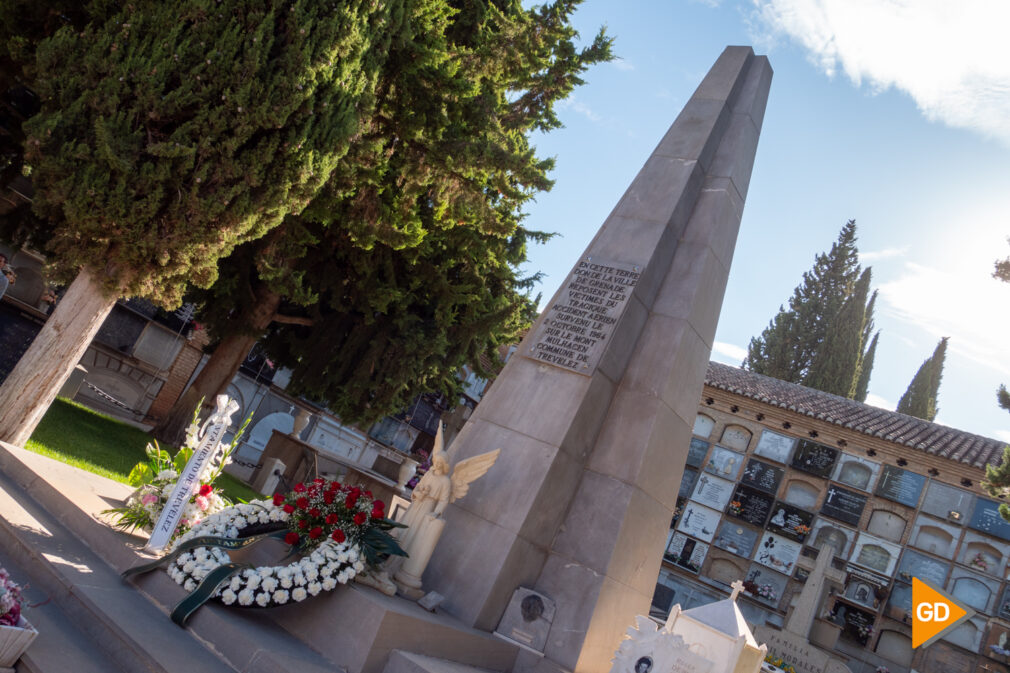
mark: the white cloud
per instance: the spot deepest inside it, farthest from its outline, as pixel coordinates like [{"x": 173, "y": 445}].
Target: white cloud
[
  {"x": 948, "y": 55},
  {"x": 580, "y": 107},
  {"x": 886, "y": 253},
  {"x": 880, "y": 402},
  {"x": 622, "y": 64},
  {"x": 967, "y": 305},
  {"x": 729, "y": 354},
  {"x": 1003, "y": 435}
]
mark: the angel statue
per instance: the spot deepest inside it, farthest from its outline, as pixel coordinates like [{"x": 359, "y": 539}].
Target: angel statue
[{"x": 437, "y": 488}]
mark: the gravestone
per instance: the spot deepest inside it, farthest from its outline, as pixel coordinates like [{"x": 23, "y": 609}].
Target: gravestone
[{"x": 594, "y": 413}]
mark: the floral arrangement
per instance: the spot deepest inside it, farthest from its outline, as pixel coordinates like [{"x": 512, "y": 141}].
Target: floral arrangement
[
  {"x": 10, "y": 600},
  {"x": 864, "y": 631},
  {"x": 1000, "y": 648},
  {"x": 882, "y": 669},
  {"x": 978, "y": 561},
  {"x": 735, "y": 507},
  {"x": 800, "y": 529},
  {"x": 767, "y": 592},
  {"x": 779, "y": 662},
  {"x": 326, "y": 509},
  {"x": 338, "y": 529},
  {"x": 155, "y": 480}
]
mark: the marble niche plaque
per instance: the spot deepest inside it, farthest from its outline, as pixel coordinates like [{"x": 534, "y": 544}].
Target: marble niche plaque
[
  {"x": 942, "y": 499},
  {"x": 687, "y": 483},
  {"x": 926, "y": 568},
  {"x": 724, "y": 462},
  {"x": 986, "y": 518},
  {"x": 699, "y": 521},
  {"x": 843, "y": 504},
  {"x": 696, "y": 452},
  {"x": 527, "y": 619},
  {"x": 900, "y": 485},
  {"x": 778, "y": 553},
  {"x": 686, "y": 553},
  {"x": 750, "y": 505},
  {"x": 815, "y": 458},
  {"x": 712, "y": 491},
  {"x": 735, "y": 538},
  {"x": 792, "y": 522},
  {"x": 577, "y": 327},
  {"x": 774, "y": 446},
  {"x": 762, "y": 476}
]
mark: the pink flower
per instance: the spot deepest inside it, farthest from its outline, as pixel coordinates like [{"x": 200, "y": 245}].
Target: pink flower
[
  {"x": 149, "y": 499},
  {"x": 202, "y": 503}
]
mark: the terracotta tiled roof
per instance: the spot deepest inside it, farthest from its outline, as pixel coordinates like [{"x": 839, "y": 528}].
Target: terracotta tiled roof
[{"x": 916, "y": 433}]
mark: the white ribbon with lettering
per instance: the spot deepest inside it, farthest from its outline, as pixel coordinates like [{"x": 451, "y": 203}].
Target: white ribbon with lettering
[{"x": 211, "y": 432}]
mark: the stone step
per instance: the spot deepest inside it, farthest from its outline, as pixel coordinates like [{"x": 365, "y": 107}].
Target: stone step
[
  {"x": 89, "y": 593},
  {"x": 49, "y": 524},
  {"x": 401, "y": 661},
  {"x": 61, "y": 645}
]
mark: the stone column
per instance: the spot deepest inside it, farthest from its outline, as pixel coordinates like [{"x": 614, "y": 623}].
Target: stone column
[
  {"x": 594, "y": 413},
  {"x": 809, "y": 602}
]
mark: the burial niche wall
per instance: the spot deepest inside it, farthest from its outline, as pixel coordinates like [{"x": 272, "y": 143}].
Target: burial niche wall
[{"x": 981, "y": 556}]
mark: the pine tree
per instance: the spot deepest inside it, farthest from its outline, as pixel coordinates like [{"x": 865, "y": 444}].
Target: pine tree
[
  {"x": 447, "y": 147},
  {"x": 865, "y": 369},
  {"x": 795, "y": 338},
  {"x": 919, "y": 399},
  {"x": 836, "y": 365},
  {"x": 997, "y": 478},
  {"x": 171, "y": 132}
]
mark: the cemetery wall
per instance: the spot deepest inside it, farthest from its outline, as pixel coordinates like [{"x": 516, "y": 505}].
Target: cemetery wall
[{"x": 763, "y": 485}]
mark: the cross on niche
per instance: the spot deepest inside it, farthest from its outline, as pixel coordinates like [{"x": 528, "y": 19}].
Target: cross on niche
[{"x": 737, "y": 588}]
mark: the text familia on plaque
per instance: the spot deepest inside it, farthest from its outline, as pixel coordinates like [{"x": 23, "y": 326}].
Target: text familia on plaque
[{"x": 577, "y": 327}]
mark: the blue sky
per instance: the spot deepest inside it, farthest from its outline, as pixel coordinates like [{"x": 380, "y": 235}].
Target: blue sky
[{"x": 895, "y": 114}]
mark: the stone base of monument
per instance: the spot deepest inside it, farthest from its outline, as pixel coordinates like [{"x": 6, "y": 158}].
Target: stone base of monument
[
  {"x": 52, "y": 538},
  {"x": 795, "y": 649}
]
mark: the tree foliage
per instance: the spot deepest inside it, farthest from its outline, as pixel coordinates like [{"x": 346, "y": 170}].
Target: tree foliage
[
  {"x": 919, "y": 399},
  {"x": 406, "y": 264},
  {"x": 828, "y": 318},
  {"x": 170, "y": 132}
]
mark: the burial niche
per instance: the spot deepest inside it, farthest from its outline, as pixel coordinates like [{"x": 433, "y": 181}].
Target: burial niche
[
  {"x": 829, "y": 535},
  {"x": 736, "y": 437},
  {"x": 855, "y": 474},
  {"x": 934, "y": 540},
  {"x": 896, "y": 647},
  {"x": 725, "y": 571},
  {"x": 801, "y": 494},
  {"x": 703, "y": 425},
  {"x": 887, "y": 525},
  {"x": 981, "y": 556},
  {"x": 971, "y": 592},
  {"x": 875, "y": 557}
]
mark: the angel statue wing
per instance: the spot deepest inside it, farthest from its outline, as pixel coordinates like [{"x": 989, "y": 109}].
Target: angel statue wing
[{"x": 470, "y": 470}]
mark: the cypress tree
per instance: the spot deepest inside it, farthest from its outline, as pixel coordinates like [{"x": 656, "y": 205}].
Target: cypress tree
[
  {"x": 786, "y": 349},
  {"x": 447, "y": 147},
  {"x": 919, "y": 399},
  {"x": 865, "y": 370},
  {"x": 835, "y": 368},
  {"x": 171, "y": 132}
]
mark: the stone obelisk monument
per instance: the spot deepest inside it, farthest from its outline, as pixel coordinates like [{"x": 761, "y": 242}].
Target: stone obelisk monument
[{"x": 594, "y": 413}]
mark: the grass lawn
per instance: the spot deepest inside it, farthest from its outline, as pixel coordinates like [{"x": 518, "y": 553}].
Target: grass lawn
[{"x": 86, "y": 439}]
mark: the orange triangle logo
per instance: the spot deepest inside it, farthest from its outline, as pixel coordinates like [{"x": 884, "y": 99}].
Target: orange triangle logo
[{"x": 933, "y": 613}]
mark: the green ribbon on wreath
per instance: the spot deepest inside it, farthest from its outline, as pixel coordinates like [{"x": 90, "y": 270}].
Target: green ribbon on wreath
[
  {"x": 207, "y": 588},
  {"x": 229, "y": 543},
  {"x": 214, "y": 579}
]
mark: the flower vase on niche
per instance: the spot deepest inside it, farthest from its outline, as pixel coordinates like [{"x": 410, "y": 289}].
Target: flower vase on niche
[{"x": 16, "y": 633}]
